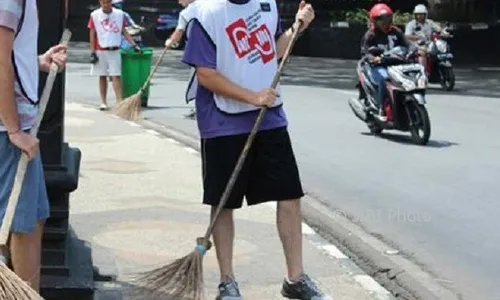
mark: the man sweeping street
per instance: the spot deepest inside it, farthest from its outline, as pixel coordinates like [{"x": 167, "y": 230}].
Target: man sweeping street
[
  {"x": 234, "y": 46},
  {"x": 107, "y": 26},
  {"x": 19, "y": 70}
]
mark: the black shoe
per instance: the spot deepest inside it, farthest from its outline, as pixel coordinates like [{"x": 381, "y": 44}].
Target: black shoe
[
  {"x": 191, "y": 114},
  {"x": 303, "y": 289}
]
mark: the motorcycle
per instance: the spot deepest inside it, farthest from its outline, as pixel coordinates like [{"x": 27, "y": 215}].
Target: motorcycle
[
  {"x": 439, "y": 65},
  {"x": 135, "y": 31},
  {"x": 404, "y": 106}
]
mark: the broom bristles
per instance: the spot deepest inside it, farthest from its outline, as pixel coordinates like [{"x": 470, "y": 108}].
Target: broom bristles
[
  {"x": 130, "y": 108},
  {"x": 14, "y": 288},
  {"x": 180, "y": 280}
]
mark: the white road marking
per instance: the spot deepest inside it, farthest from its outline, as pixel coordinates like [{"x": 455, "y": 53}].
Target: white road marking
[
  {"x": 133, "y": 124},
  {"x": 333, "y": 251},
  {"x": 191, "y": 150},
  {"x": 152, "y": 132}
]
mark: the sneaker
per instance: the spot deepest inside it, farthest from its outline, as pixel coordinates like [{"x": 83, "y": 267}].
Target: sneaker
[
  {"x": 381, "y": 115},
  {"x": 191, "y": 114},
  {"x": 228, "y": 290},
  {"x": 303, "y": 289},
  {"x": 103, "y": 107}
]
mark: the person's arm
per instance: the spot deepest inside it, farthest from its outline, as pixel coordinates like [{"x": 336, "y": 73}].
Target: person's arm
[
  {"x": 305, "y": 13},
  {"x": 366, "y": 42},
  {"x": 410, "y": 32},
  {"x": 8, "y": 108},
  {"x": 92, "y": 35},
  {"x": 435, "y": 26},
  {"x": 200, "y": 53}
]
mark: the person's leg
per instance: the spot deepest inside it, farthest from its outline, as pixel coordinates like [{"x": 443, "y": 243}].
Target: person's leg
[
  {"x": 379, "y": 76},
  {"x": 100, "y": 69},
  {"x": 31, "y": 212},
  {"x": 26, "y": 250},
  {"x": 422, "y": 56},
  {"x": 115, "y": 71},
  {"x": 103, "y": 90},
  {"x": 275, "y": 176},
  {"x": 219, "y": 156},
  {"x": 117, "y": 87}
]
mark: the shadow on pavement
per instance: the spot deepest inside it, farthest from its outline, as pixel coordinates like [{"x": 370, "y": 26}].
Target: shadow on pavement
[{"x": 405, "y": 139}]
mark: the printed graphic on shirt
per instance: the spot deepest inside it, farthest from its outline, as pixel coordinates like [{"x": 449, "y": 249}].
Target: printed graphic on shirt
[
  {"x": 110, "y": 25},
  {"x": 251, "y": 40}
]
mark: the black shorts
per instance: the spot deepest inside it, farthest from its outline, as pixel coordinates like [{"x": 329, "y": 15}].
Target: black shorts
[{"x": 270, "y": 171}]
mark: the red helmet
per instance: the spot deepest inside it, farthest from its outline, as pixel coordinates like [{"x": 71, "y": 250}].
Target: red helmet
[
  {"x": 379, "y": 10},
  {"x": 383, "y": 13}
]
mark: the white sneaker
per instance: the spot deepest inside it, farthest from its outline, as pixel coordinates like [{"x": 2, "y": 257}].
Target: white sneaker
[{"x": 103, "y": 107}]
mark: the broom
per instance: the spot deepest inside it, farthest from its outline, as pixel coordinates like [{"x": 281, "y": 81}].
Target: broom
[
  {"x": 11, "y": 286},
  {"x": 130, "y": 108},
  {"x": 183, "y": 278}
]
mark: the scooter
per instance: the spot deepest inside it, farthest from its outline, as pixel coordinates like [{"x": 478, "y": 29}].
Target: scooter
[
  {"x": 405, "y": 105},
  {"x": 439, "y": 65}
]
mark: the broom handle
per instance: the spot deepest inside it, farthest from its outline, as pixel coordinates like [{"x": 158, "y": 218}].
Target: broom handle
[
  {"x": 154, "y": 69},
  {"x": 23, "y": 162},
  {"x": 248, "y": 144}
]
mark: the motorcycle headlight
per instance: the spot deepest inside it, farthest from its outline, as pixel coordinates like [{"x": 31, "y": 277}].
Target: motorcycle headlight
[{"x": 442, "y": 46}]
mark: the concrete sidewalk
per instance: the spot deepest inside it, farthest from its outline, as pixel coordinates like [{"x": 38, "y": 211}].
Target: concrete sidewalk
[{"x": 138, "y": 205}]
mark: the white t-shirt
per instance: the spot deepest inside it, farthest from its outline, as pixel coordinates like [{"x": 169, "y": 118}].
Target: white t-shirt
[
  {"x": 245, "y": 44},
  {"x": 185, "y": 16},
  {"x": 25, "y": 49},
  {"x": 108, "y": 27}
]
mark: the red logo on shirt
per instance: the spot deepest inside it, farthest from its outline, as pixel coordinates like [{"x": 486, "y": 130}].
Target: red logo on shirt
[
  {"x": 110, "y": 25},
  {"x": 245, "y": 42}
]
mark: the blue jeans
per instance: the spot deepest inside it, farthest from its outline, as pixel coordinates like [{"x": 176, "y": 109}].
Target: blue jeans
[
  {"x": 378, "y": 77},
  {"x": 33, "y": 205}
]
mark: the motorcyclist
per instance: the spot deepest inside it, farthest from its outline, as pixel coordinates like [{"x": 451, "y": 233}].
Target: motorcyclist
[
  {"x": 419, "y": 31},
  {"x": 383, "y": 35}
]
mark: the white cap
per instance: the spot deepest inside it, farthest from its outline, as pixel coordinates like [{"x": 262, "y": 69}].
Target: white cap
[{"x": 116, "y": 1}]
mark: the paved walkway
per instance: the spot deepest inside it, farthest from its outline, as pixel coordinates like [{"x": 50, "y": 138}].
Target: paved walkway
[{"x": 138, "y": 205}]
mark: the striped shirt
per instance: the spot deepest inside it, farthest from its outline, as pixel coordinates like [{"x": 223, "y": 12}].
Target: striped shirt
[{"x": 11, "y": 12}]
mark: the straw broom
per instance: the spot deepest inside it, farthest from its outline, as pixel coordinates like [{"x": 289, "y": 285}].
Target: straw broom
[
  {"x": 130, "y": 108},
  {"x": 183, "y": 278},
  {"x": 11, "y": 286}
]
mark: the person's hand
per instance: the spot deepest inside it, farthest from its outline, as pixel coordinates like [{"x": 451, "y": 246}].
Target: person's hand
[
  {"x": 93, "y": 58},
  {"x": 168, "y": 43},
  {"x": 137, "y": 48},
  {"x": 26, "y": 142},
  {"x": 305, "y": 14},
  {"x": 57, "y": 54},
  {"x": 376, "y": 60},
  {"x": 266, "y": 97}
]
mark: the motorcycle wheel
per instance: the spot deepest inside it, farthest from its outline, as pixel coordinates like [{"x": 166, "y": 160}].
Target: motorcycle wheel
[
  {"x": 447, "y": 77},
  {"x": 420, "y": 128}
]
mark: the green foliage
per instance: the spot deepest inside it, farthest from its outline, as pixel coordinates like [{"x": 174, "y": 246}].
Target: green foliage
[{"x": 360, "y": 16}]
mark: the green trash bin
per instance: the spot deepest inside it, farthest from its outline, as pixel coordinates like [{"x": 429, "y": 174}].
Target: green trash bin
[{"x": 136, "y": 68}]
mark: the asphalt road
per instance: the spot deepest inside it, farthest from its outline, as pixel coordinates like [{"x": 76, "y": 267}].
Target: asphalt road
[{"x": 438, "y": 204}]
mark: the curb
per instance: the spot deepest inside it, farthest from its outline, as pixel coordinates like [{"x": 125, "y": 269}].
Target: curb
[{"x": 384, "y": 269}]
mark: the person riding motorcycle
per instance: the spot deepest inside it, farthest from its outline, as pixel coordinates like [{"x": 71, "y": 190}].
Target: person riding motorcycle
[
  {"x": 420, "y": 31},
  {"x": 383, "y": 35}
]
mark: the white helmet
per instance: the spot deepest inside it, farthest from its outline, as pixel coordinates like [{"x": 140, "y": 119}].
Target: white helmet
[{"x": 420, "y": 9}]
